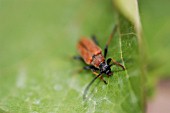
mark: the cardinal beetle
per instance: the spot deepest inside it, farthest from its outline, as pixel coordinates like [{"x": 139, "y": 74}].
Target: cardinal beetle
[{"x": 91, "y": 54}]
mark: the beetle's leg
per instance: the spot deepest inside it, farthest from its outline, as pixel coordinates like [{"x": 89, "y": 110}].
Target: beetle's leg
[
  {"x": 78, "y": 58},
  {"x": 95, "y": 39},
  {"x": 117, "y": 63},
  {"x": 109, "y": 40},
  {"x": 101, "y": 77},
  {"x": 94, "y": 69},
  {"x": 90, "y": 67}
]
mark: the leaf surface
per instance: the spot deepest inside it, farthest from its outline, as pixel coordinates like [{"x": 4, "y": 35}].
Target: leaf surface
[{"x": 37, "y": 72}]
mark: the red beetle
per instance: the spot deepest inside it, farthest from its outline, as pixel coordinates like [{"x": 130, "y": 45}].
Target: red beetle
[{"x": 91, "y": 54}]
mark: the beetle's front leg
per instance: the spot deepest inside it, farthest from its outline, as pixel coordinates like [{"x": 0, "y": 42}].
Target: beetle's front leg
[
  {"x": 101, "y": 77},
  {"x": 115, "y": 62}
]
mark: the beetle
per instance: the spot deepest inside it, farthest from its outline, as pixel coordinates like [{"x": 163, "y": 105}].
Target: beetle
[{"x": 91, "y": 54}]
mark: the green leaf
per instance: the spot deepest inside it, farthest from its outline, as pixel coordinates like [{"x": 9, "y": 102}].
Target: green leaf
[{"x": 37, "y": 72}]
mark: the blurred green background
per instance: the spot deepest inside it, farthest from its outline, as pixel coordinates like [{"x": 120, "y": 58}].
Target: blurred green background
[
  {"x": 38, "y": 39},
  {"x": 156, "y": 24}
]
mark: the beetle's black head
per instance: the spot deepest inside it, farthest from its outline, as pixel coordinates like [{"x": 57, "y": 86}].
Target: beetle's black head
[{"x": 105, "y": 68}]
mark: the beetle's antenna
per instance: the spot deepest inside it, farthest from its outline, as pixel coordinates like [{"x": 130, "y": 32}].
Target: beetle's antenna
[
  {"x": 87, "y": 88},
  {"x": 111, "y": 35},
  {"x": 109, "y": 40}
]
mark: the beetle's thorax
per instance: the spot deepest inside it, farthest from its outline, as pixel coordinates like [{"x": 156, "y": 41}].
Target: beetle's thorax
[{"x": 97, "y": 60}]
